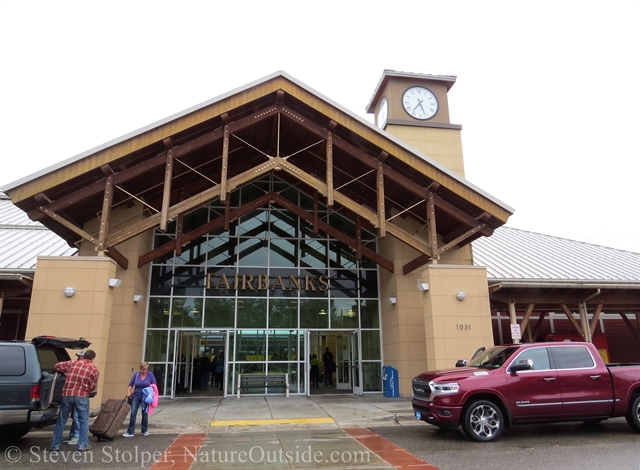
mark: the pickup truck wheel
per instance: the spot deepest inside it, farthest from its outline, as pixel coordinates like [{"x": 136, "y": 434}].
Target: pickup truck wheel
[
  {"x": 483, "y": 421},
  {"x": 633, "y": 415}
]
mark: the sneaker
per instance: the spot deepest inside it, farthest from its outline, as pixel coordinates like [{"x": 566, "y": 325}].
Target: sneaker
[
  {"x": 126, "y": 434},
  {"x": 85, "y": 449},
  {"x": 146, "y": 433},
  {"x": 72, "y": 442}
]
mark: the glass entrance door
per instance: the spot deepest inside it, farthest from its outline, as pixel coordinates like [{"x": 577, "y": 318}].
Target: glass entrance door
[
  {"x": 343, "y": 362},
  {"x": 356, "y": 370},
  {"x": 188, "y": 346}
]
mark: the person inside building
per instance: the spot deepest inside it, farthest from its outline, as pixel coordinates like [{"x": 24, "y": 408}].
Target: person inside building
[
  {"x": 218, "y": 371},
  {"x": 205, "y": 370},
  {"x": 329, "y": 367},
  {"x": 139, "y": 381},
  {"x": 81, "y": 382},
  {"x": 315, "y": 371}
]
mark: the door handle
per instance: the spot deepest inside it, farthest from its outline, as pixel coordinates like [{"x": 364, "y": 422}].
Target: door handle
[
  {"x": 594, "y": 376},
  {"x": 549, "y": 379}
]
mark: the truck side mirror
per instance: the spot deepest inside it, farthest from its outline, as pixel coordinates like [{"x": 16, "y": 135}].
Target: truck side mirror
[
  {"x": 461, "y": 363},
  {"x": 525, "y": 364}
]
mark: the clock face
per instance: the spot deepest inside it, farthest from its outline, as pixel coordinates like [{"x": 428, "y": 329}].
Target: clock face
[
  {"x": 383, "y": 111},
  {"x": 419, "y": 103}
]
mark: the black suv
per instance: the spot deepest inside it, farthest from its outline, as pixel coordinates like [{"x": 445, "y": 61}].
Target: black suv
[{"x": 30, "y": 390}]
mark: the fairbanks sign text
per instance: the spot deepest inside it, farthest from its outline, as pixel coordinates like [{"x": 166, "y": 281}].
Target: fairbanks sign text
[{"x": 262, "y": 282}]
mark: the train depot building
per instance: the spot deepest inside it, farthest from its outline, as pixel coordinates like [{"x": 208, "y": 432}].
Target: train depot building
[{"x": 270, "y": 223}]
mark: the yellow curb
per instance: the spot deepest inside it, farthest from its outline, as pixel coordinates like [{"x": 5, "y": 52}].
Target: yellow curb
[{"x": 258, "y": 422}]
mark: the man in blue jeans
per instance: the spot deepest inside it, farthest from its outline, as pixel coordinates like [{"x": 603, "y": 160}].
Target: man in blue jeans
[
  {"x": 81, "y": 380},
  {"x": 75, "y": 423}
]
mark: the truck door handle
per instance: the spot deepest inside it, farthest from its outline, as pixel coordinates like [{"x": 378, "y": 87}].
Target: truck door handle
[
  {"x": 594, "y": 376},
  {"x": 549, "y": 379}
]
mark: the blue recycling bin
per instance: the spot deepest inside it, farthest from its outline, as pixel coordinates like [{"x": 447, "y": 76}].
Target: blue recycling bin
[{"x": 390, "y": 382}]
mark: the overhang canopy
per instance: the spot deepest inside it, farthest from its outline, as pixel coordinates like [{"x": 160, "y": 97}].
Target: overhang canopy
[{"x": 274, "y": 124}]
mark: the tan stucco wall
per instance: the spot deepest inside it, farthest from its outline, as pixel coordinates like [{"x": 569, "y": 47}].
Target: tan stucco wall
[
  {"x": 106, "y": 316},
  {"x": 455, "y": 329},
  {"x": 442, "y": 145},
  {"x": 127, "y": 323},
  {"x": 406, "y": 345},
  {"x": 87, "y": 314}
]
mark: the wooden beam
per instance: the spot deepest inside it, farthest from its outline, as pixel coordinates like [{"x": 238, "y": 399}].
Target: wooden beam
[
  {"x": 329, "y": 171},
  {"x": 525, "y": 320},
  {"x": 227, "y": 207},
  {"x": 539, "y": 324},
  {"x": 179, "y": 229},
  {"x": 569, "y": 315},
  {"x": 225, "y": 158},
  {"x": 462, "y": 237},
  {"x": 356, "y": 208},
  {"x": 166, "y": 189},
  {"x": 596, "y": 316},
  {"x": 630, "y": 325},
  {"x": 106, "y": 213},
  {"x": 74, "y": 228},
  {"x": 118, "y": 257},
  {"x": 431, "y": 223},
  {"x": 202, "y": 230},
  {"x": 259, "y": 202},
  {"x": 332, "y": 232},
  {"x": 415, "y": 264},
  {"x": 190, "y": 203},
  {"x": 382, "y": 220},
  {"x": 160, "y": 159}
]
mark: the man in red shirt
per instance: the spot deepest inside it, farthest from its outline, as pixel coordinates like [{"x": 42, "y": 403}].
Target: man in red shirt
[{"x": 81, "y": 381}]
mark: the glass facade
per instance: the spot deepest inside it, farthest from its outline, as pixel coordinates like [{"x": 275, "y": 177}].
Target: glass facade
[{"x": 264, "y": 283}]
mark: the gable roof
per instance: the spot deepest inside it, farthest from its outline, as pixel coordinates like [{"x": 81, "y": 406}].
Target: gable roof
[{"x": 275, "y": 123}]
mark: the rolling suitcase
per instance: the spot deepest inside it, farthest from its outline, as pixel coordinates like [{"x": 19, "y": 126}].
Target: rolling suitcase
[{"x": 110, "y": 418}]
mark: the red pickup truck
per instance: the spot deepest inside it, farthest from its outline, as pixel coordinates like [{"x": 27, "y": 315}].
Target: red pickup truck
[{"x": 521, "y": 383}]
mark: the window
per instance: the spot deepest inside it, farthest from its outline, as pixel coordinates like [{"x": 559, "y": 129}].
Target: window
[
  {"x": 539, "y": 356},
  {"x": 572, "y": 357},
  {"x": 48, "y": 359},
  {"x": 13, "y": 361}
]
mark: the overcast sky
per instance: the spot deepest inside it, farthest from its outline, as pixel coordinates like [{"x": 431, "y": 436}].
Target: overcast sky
[{"x": 548, "y": 92}]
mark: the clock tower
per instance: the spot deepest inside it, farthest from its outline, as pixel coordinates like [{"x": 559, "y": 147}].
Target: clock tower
[{"x": 414, "y": 108}]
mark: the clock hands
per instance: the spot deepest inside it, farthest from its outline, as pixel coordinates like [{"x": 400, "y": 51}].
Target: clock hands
[{"x": 419, "y": 105}]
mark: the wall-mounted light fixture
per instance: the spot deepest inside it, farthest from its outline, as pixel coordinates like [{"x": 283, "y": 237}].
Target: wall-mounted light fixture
[
  {"x": 423, "y": 286},
  {"x": 322, "y": 312},
  {"x": 138, "y": 298},
  {"x": 392, "y": 300},
  {"x": 114, "y": 282},
  {"x": 461, "y": 296},
  {"x": 69, "y": 291}
]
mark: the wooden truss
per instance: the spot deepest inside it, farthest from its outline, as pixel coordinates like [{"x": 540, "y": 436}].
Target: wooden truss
[{"x": 106, "y": 240}]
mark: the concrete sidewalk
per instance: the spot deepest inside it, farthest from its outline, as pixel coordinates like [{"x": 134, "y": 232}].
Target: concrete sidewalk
[
  {"x": 189, "y": 415},
  {"x": 299, "y": 432}
]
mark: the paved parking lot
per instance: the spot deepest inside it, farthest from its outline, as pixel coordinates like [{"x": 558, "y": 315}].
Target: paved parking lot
[
  {"x": 567, "y": 446},
  {"x": 328, "y": 432}
]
